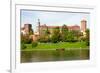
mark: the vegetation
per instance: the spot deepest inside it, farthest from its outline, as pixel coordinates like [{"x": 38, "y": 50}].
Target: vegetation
[
  {"x": 63, "y": 38},
  {"x": 23, "y": 46},
  {"x": 34, "y": 44},
  {"x": 26, "y": 39},
  {"x": 55, "y": 35},
  {"x": 54, "y": 46},
  {"x": 87, "y": 37},
  {"x": 64, "y": 33},
  {"x": 44, "y": 38}
]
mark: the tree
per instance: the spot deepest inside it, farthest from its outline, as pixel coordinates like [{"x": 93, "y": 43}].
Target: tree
[
  {"x": 64, "y": 33},
  {"x": 31, "y": 32},
  {"x": 87, "y": 37},
  {"x": 34, "y": 44},
  {"x": 77, "y": 34},
  {"x": 70, "y": 36},
  {"x": 23, "y": 46},
  {"x": 55, "y": 35},
  {"x": 45, "y": 37},
  {"x": 25, "y": 39}
]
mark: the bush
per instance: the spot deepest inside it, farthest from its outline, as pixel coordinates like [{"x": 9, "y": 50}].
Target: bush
[
  {"x": 34, "y": 44},
  {"x": 25, "y": 39},
  {"x": 87, "y": 43},
  {"x": 54, "y": 39},
  {"x": 23, "y": 46},
  {"x": 28, "y": 41},
  {"x": 44, "y": 39}
]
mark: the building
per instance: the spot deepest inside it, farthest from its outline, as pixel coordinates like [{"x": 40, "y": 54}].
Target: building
[
  {"x": 44, "y": 27},
  {"x": 83, "y": 25},
  {"x": 26, "y": 29}
]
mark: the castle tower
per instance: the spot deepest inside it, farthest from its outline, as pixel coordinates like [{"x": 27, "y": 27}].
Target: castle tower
[
  {"x": 27, "y": 28},
  {"x": 83, "y": 25},
  {"x": 39, "y": 26}
]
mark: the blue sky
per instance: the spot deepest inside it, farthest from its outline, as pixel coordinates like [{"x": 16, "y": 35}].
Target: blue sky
[{"x": 52, "y": 18}]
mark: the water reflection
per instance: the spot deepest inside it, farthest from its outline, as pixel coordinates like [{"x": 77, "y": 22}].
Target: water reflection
[{"x": 53, "y": 55}]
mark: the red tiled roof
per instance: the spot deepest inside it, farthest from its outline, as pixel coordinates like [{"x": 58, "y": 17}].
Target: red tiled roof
[{"x": 74, "y": 27}]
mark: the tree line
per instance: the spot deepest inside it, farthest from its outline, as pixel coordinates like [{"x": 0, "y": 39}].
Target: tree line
[
  {"x": 64, "y": 35},
  {"x": 57, "y": 35}
]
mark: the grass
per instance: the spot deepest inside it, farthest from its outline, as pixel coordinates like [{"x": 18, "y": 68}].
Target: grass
[{"x": 53, "y": 46}]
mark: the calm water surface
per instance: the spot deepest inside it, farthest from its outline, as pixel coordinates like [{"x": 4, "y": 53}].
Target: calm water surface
[{"x": 54, "y": 55}]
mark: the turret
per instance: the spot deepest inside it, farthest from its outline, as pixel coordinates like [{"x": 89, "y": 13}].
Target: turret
[{"x": 83, "y": 25}]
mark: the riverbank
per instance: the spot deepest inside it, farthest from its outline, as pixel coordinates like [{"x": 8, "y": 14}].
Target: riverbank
[{"x": 54, "y": 46}]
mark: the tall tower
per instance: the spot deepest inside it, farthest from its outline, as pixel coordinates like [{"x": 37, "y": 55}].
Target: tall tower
[
  {"x": 28, "y": 28},
  {"x": 83, "y": 25},
  {"x": 39, "y": 26}
]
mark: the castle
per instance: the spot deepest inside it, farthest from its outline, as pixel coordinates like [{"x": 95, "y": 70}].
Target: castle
[{"x": 42, "y": 28}]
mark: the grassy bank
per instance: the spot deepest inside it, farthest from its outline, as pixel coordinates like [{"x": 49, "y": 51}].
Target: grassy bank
[{"x": 53, "y": 46}]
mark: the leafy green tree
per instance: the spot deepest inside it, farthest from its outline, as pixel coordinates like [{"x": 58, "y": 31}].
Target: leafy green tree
[
  {"x": 55, "y": 35},
  {"x": 77, "y": 34},
  {"x": 34, "y": 44},
  {"x": 23, "y": 46},
  {"x": 45, "y": 37},
  {"x": 64, "y": 33},
  {"x": 31, "y": 32},
  {"x": 25, "y": 39},
  {"x": 87, "y": 37},
  {"x": 70, "y": 36}
]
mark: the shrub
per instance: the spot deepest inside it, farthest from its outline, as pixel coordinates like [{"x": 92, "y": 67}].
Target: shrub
[
  {"x": 54, "y": 39},
  {"x": 44, "y": 39},
  {"x": 26, "y": 39},
  {"x": 34, "y": 44},
  {"x": 23, "y": 46},
  {"x": 87, "y": 43}
]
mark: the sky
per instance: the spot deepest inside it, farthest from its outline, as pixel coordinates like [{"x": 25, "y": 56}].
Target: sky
[{"x": 52, "y": 18}]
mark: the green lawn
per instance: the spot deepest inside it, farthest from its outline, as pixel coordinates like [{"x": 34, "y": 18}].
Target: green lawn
[{"x": 53, "y": 46}]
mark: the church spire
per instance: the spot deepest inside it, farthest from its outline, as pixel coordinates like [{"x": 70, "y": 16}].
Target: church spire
[
  {"x": 39, "y": 26},
  {"x": 38, "y": 21}
]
